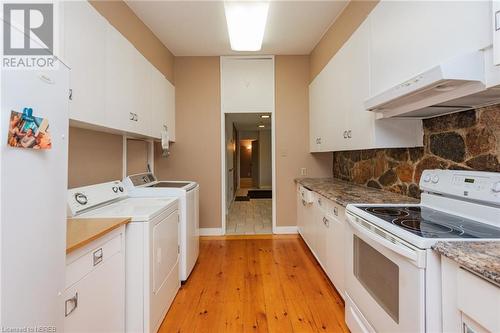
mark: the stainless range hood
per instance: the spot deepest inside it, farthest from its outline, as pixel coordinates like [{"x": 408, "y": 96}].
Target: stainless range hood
[{"x": 452, "y": 86}]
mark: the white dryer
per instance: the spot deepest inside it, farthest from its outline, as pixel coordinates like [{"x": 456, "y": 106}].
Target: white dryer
[
  {"x": 151, "y": 248},
  {"x": 146, "y": 185}
]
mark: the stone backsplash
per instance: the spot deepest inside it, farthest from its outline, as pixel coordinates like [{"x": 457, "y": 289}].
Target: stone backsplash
[{"x": 468, "y": 140}]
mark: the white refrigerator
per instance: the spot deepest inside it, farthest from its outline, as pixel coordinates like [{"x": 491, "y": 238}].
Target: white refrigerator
[{"x": 33, "y": 203}]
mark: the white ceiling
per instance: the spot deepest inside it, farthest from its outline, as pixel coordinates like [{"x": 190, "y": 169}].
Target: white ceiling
[
  {"x": 198, "y": 28},
  {"x": 249, "y": 121}
]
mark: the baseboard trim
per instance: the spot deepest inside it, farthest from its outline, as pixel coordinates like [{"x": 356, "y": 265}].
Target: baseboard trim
[
  {"x": 211, "y": 232},
  {"x": 286, "y": 230}
]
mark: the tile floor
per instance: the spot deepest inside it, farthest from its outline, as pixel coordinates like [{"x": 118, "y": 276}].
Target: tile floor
[{"x": 250, "y": 217}]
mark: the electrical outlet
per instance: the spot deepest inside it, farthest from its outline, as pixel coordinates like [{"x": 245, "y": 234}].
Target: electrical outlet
[{"x": 303, "y": 171}]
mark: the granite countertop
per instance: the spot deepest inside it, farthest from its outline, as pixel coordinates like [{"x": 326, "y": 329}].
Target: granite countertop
[
  {"x": 480, "y": 257},
  {"x": 345, "y": 193},
  {"x": 80, "y": 232}
]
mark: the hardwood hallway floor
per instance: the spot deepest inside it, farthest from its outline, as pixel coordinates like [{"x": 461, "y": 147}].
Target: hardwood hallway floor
[{"x": 256, "y": 284}]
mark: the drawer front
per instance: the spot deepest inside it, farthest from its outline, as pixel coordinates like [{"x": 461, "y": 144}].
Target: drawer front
[
  {"x": 331, "y": 208},
  {"x": 84, "y": 261}
]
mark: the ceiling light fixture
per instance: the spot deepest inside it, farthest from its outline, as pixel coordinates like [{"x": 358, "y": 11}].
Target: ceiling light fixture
[
  {"x": 246, "y": 23},
  {"x": 262, "y": 126},
  {"x": 265, "y": 116}
]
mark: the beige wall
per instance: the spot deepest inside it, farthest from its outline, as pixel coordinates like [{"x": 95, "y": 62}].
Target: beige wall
[
  {"x": 197, "y": 153},
  {"x": 292, "y": 135},
  {"x": 137, "y": 156},
  {"x": 94, "y": 157},
  {"x": 124, "y": 20},
  {"x": 338, "y": 33}
]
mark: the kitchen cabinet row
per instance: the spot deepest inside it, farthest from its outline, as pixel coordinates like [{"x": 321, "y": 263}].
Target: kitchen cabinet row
[
  {"x": 112, "y": 85},
  {"x": 397, "y": 41},
  {"x": 321, "y": 223}
]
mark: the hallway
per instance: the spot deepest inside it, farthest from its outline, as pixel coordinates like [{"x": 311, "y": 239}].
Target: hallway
[
  {"x": 250, "y": 217},
  {"x": 256, "y": 284}
]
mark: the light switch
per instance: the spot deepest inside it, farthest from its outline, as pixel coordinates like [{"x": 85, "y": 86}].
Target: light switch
[{"x": 303, "y": 171}]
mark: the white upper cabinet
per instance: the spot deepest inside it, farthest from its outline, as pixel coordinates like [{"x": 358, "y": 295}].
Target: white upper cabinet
[
  {"x": 84, "y": 45},
  {"x": 112, "y": 85},
  {"x": 247, "y": 84},
  {"x": 163, "y": 105},
  {"x": 142, "y": 79},
  {"x": 410, "y": 37},
  {"x": 118, "y": 77},
  {"x": 338, "y": 119}
]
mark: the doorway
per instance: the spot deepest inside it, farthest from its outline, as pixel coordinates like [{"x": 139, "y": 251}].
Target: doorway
[{"x": 249, "y": 174}]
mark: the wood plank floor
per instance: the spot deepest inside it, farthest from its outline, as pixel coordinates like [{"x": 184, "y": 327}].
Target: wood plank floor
[{"x": 256, "y": 284}]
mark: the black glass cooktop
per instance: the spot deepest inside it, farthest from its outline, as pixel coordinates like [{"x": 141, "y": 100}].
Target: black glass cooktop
[{"x": 429, "y": 223}]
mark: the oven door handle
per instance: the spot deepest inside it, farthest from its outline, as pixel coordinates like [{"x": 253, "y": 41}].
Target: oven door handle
[{"x": 390, "y": 242}]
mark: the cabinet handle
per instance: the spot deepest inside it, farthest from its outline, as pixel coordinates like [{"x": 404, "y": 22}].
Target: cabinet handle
[
  {"x": 131, "y": 116},
  {"x": 345, "y": 134},
  {"x": 349, "y": 134},
  {"x": 70, "y": 94},
  {"x": 303, "y": 202},
  {"x": 319, "y": 201},
  {"x": 98, "y": 256},
  {"x": 70, "y": 304},
  {"x": 335, "y": 211},
  {"x": 326, "y": 222},
  {"x": 136, "y": 118}
]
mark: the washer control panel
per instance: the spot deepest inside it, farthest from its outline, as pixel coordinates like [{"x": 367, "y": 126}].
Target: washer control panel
[
  {"x": 82, "y": 198},
  {"x": 476, "y": 185}
]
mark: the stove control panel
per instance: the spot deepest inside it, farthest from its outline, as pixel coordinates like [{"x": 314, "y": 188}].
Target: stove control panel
[
  {"x": 83, "y": 198},
  {"x": 475, "y": 185}
]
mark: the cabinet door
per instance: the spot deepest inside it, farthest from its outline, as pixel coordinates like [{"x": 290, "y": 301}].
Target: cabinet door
[
  {"x": 409, "y": 37},
  {"x": 360, "y": 123},
  {"x": 119, "y": 76},
  {"x": 84, "y": 52},
  {"x": 142, "y": 96},
  {"x": 320, "y": 232},
  {"x": 335, "y": 249},
  {"x": 100, "y": 300},
  {"x": 247, "y": 84},
  {"x": 163, "y": 105},
  {"x": 328, "y": 97}
]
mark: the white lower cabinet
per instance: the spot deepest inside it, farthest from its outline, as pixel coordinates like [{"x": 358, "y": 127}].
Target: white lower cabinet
[
  {"x": 321, "y": 225},
  {"x": 470, "y": 303},
  {"x": 94, "y": 298}
]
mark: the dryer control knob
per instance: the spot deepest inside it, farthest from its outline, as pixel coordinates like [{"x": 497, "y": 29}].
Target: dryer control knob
[
  {"x": 427, "y": 178},
  {"x": 496, "y": 187},
  {"x": 120, "y": 189},
  {"x": 115, "y": 189},
  {"x": 81, "y": 198},
  {"x": 435, "y": 179}
]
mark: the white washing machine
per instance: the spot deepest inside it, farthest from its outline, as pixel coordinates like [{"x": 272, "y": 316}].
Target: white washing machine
[
  {"x": 151, "y": 248},
  {"x": 146, "y": 185}
]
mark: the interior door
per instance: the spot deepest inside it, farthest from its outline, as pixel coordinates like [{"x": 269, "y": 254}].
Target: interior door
[
  {"x": 255, "y": 164},
  {"x": 235, "y": 161}
]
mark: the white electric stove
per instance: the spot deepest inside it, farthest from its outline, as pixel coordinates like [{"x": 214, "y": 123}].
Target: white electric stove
[
  {"x": 393, "y": 277},
  {"x": 151, "y": 248}
]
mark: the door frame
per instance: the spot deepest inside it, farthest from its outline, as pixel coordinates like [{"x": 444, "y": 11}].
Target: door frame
[{"x": 223, "y": 113}]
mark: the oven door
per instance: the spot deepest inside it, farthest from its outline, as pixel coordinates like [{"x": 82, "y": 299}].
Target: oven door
[{"x": 385, "y": 280}]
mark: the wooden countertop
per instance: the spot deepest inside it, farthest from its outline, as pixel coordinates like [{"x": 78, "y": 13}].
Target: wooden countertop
[{"x": 80, "y": 232}]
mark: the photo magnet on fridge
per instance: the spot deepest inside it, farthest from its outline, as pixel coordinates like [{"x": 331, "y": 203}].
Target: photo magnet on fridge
[{"x": 28, "y": 131}]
